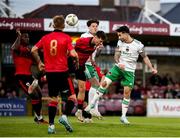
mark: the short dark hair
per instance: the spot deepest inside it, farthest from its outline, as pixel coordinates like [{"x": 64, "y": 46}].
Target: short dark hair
[
  {"x": 102, "y": 35},
  {"x": 89, "y": 22},
  {"x": 123, "y": 29}
]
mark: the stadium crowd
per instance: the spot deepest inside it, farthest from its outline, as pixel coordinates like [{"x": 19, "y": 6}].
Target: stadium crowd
[
  {"x": 158, "y": 87},
  {"x": 7, "y": 91}
]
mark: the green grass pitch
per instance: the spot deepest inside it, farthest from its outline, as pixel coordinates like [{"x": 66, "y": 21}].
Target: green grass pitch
[{"x": 110, "y": 126}]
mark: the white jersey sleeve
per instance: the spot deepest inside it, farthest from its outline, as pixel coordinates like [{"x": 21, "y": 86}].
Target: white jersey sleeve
[
  {"x": 141, "y": 47},
  {"x": 86, "y": 34}
]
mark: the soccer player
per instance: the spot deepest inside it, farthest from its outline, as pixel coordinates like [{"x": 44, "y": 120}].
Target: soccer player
[
  {"x": 23, "y": 61},
  {"x": 126, "y": 55},
  {"x": 85, "y": 47},
  {"x": 56, "y": 46},
  {"x": 91, "y": 72},
  {"x": 87, "y": 117}
]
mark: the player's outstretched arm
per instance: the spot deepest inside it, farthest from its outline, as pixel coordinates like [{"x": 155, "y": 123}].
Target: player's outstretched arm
[
  {"x": 149, "y": 64},
  {"x": 17, "y": 42}
]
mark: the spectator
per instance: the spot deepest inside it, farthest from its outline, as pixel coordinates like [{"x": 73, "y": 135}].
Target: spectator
[
  {"x": 136, "y": 93},
  {"x": 1, "y": 85},
  {"x": 14, "y": 94},
  {"x": 2, "y": 93},
  {"x": 177, "y": 90},
  {"x": 169, "y": 92},
  {"x": 167, "y": 79},
  {"x": 155, "y": 80}
]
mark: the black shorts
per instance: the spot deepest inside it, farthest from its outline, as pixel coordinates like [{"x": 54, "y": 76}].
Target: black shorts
[
  {"x": 59, "y": 82},
  {"x": 23, "y": 80},
  {"x": 80, "y": 74}
]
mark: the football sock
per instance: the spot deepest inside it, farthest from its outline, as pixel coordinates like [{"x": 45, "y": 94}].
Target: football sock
[
  {"x": 52, "y": 108},
  {"x": 37, "y": 105},
  {"x": 96, "y": 97},
  {"x": 91, "y": 94},
  {"x": 96, "y": 105},
  {"x": 125, "y": 104},
  {"x": 69, "y": 107},
  {"x": 36, "y": 102},
  {"x": 80, "y": 104}
]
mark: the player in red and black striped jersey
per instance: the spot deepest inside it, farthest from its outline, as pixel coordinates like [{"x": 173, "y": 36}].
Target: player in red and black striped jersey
[
  {"x": 56, "y": 46},
  {"x": 23, "y": 61},
  {"x": 85, "y": 47}
]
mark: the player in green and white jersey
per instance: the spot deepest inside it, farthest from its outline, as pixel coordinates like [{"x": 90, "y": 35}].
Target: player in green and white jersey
[{"x": 126, "y": 56}]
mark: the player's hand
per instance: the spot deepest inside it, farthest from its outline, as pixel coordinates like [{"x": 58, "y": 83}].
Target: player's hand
[
  {"x": 93, "y": 63},
  {"x": 100, "y": 47},
  {"x": 154, "y": 71},
  {"x": 18, "y": 32},
  {"x": 75, "y": 63},
  {"x": 122, "y": 66},
  {"x": 41, "y": 66}
]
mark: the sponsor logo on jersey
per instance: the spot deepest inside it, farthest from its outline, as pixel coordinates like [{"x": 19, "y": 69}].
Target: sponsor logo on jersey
[
  {"x": 127, "y": 49},
  {"x": 126, "y": 53}
]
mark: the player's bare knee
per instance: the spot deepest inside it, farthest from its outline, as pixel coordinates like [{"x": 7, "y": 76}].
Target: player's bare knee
[{"x": 104, "y": 84}]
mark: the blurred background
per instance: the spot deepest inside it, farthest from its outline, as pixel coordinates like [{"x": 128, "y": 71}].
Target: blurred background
[{"x": 153, "y": 22}]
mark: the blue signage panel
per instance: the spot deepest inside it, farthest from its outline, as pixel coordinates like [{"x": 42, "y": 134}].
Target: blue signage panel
[{"x": 12, "y": 107}]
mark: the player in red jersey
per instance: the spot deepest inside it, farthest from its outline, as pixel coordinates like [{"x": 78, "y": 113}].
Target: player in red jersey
[
  {"x": 56, "y": 46},
  {"x": 85, "y": 47},
  {"x": 23, "y": 61}
]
